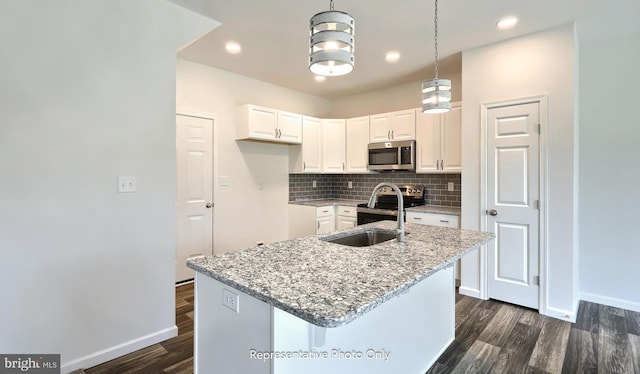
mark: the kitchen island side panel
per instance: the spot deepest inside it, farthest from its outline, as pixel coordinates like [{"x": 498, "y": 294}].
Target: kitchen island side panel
[
  {"x": 223, "y": 338},
  {"x": 404, "y": 335}
]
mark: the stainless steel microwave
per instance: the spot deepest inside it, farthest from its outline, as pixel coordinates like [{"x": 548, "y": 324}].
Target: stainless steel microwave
[{"x": 398, "y": 155}]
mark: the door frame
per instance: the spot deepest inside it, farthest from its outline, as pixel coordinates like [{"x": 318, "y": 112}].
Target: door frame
[
  {"x": 542, "y": 100},
  {"x": 214, "y": 157}
]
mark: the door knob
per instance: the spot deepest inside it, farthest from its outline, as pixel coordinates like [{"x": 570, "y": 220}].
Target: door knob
[
  {"x": 209, "y": 205},
  {"x": 492, "y": 212}
]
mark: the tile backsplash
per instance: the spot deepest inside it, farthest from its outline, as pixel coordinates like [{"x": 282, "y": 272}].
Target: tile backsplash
[{"x": 335, "y": 186}]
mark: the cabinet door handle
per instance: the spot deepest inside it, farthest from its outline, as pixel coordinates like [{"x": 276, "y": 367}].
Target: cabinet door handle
[
  {"x": 392, "y": 136},
  {"x": 444, "y": 221},
  {"x": 343, "y": 166},
  {"x": 389, "y": 134},
  {"x": 347, "y": 211},
  {"x": 304, "y": 165},
  {"x": 325, "y": 211},
  {"x": 276, "y": 135},
  {"x": 417, "y": 218},
  {"x": 318, "y": 225},
  {"x": 279, "y": 133}
]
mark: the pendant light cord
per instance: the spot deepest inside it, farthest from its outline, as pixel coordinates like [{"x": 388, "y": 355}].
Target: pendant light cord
[
  {"x": 435, "y": 37},
  {"x": 331, "y": 6}
]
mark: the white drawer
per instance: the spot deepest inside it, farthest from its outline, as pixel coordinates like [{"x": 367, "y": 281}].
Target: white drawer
[
  {"x": 325, "y": 211},
  {"x": 444, "y": 220},
  {"x": 347, "y": 211}
]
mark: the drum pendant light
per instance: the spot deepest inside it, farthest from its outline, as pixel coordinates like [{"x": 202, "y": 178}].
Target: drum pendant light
[
  {"x": 331, "y": 43},
  {"x": 436, "y": 93}
]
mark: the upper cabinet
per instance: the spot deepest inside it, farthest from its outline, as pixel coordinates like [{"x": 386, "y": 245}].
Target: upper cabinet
[
  {"x": 400, "y": 125},
  {"x": 357, "y": 141},
  {"x": 334, "y": 146},
  {"x": 260, "y": 123},
  {"x": 307, "y": 158},
  {"x": 438, "y": 140}
]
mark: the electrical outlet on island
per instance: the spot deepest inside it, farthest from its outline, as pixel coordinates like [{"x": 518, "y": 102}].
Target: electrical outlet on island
[{"x": 230, "y": 300}]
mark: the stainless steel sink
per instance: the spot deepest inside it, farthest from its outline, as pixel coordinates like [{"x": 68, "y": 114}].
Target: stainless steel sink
[{"x": 363, "y": 238}]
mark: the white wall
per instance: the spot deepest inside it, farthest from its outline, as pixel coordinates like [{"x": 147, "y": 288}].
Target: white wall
[
  {"x": 244, "y": 213},
  {"x": 609, "y": 171},
  {"x": 87, "y": 94},
  {"x": 404, "y": 96},
  {"x": 540, "y": 63}
]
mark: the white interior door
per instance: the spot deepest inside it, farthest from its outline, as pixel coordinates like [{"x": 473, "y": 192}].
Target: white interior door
[
  {"x": 512, "y": 192},
  {"x": 194, "y": 205}
]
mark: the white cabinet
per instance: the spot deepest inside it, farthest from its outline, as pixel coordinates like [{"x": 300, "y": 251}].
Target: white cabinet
[
  {"x": 307, "y": 158},
  {"x": 260, "y": 123},
  {"x": 289, "y": 127},
  {"x": 347, "y": 218},
  {"x": 325, "y": 219},
  {"x": 357, "y": 141},
  {"x": 433, "y": 219},
  {"x": 334, "y": 144},
  {"x": 400, "y": 125},
  {"x": 438, "y": 140}
]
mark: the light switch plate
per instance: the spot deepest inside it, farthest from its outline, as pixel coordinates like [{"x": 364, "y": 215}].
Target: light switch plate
[
  {"x": 350, "y": 184},
  {"x": 450, "y": 186},
  {"x": 127, "y": 184},
  {"x": 224, "y": 180}
]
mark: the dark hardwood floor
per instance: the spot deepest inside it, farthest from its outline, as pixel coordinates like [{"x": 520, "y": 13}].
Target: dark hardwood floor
[
  {"x": 491, "y": 337},
  {"x": 496, "y": 337}
]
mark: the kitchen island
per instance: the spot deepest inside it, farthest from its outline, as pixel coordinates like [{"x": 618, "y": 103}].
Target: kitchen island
[{"x": 309, "y": 305}]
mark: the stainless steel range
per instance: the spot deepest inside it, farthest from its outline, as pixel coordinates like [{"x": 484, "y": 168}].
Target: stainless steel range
[{"x": 386, "y": 208}]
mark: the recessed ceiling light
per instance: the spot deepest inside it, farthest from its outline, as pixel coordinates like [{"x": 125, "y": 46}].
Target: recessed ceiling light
[
  {"x": 320, "y": 78},
  {"x": 233, "y": 47},
  {"x": 507, "y": 23},
  {"x": 392, "y": 56}
]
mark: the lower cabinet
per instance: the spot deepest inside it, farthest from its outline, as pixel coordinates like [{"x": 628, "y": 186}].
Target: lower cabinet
[
  {"x": 305, "y": 220},
  {"x": 434, "y": 219},
  {"x": 325, "y": 219},
  {"x": 347, "y": 218}
]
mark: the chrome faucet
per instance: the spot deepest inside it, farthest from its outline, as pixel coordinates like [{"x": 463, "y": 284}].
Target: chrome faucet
[{"x": 372, "y": 203}]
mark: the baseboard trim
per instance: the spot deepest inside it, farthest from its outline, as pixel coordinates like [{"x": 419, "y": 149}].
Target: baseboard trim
[
  {"x": 610, "y": 301},
  {"x": 469, "y": 292},
  {"x": 565, "y": 315},
  {"x": 116, "y": 351},
  {"x": 183, "y": 282}
]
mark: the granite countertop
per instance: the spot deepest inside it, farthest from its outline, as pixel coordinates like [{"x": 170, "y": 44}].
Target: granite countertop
[
  {"x": 329, "y": 284},
  {"x": 326, "y": 202},
  {"x": 438, "y": 209}
]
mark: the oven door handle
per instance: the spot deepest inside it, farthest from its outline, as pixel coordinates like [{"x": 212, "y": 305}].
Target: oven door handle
[{"x": 385, "y": 212}]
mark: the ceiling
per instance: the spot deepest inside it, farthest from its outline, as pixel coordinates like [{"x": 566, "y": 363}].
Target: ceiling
[{"x": 275, "y": 36}]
